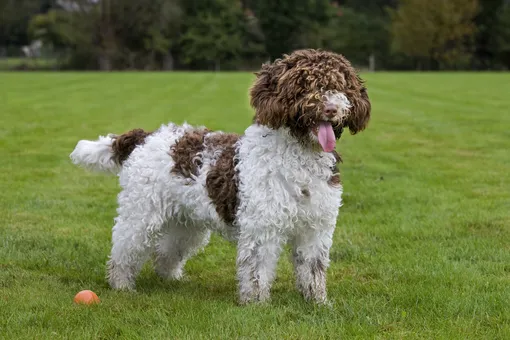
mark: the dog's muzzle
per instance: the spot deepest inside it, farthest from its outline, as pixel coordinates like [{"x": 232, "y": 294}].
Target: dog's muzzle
[{"x": 330, "y": 109}]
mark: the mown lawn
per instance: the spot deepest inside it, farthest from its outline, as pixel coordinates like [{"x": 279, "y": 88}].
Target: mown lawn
[
  {"x": 24, "y": 62},
  {"x": 422, "y": 248}
]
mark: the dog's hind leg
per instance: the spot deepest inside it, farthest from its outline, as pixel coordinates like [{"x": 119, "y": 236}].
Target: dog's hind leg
[
  {"x": 176, "y": 245},
  {"x": 137, "y": 226}
]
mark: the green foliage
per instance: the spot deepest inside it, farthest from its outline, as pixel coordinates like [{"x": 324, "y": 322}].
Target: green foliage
[
  {"x": 486, "y": 48},
  {"x": 212, "y": 34},
  {"x": 233, "y": 34},
  {"x": 370, "y": 7},
  {"x": 54, "y": 28},
  {"x": 129, "y": 34},
  {"x": 437, "y": 30},
  {"x": 142, "y": 31},
  {"x": 503, "y": 36},
  {"x": 357, "y": 35},
  {"x": 14, "y": 18},
  {"x": 253, "y": 39},
  {"x": 68, "y": 32},
  {"x": 124, "y": 33},
  {"x": 292, "y": 24}
]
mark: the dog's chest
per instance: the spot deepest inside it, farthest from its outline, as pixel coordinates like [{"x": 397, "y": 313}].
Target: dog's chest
[
  {"x": 284, "y": 183},
  {"x": 306, "y": 183}
]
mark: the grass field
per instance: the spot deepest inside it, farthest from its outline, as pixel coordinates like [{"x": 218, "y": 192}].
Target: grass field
[
  {"x": 30, "y": 63},
  {"x": 422, "y": 248}
]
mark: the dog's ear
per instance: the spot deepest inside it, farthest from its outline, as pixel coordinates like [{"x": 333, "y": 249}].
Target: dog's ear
[
  {"x": 264, "y": 96},
  {"x": 360, "y": 112}
]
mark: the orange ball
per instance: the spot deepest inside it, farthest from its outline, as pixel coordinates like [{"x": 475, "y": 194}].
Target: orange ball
[{"x": 86, "y": 297}]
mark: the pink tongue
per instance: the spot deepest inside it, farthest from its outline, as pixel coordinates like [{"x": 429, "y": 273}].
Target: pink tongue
[{"x": 326, "y": 137}]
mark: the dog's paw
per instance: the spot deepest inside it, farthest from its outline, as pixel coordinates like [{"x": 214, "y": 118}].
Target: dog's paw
[
  {"x": 255, "y": 299},
  {"x": 324, "y": 303},
  {"x": 121, "y": 284},
  {"x": 126, "y": 287},
  {"x": 176, "y": 275}
]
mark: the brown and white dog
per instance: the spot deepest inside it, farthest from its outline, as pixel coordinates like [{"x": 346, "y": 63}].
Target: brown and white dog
[{"x": 276, "y": 183}]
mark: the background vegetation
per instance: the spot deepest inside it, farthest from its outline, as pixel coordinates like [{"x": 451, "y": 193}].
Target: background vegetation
[{"x": 240, "y": 34}]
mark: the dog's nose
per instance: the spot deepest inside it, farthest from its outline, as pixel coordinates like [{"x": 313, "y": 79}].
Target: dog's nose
[{"x": 330, "y": 109}]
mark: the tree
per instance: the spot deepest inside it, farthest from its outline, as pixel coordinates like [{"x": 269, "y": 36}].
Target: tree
[
  {"x": 54, "y": 28},
  {"x": 359, "y": 35},
  {"x": 112, "y": 33},
  {"x": 143, "y": 31},
  {"x": 212, "y": 32},
  {"x": 370, "y": 7},
  {"x": 502, "y": 36},
  {"x": 291, "y": 24},
  {"x": 486, "y": 46},
  {"x": 253, "y": 49},
  {"x": 14, "y": 19},
  {"x": 435, "y": 31}
]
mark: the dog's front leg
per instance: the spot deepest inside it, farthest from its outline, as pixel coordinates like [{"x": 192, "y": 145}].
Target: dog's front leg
[
  {"x": 257, "y": 257},
  {"x": 311, "y": 260}
]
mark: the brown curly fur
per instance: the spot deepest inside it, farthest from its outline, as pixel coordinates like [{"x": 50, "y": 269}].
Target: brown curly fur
[
  {"x": 222, "y": 182},
  {"x": 216, "y": 140},
  {"x": 124, "y": 144},
  {"x": 287, "y": 92},
  {"x": 185, "y": 150}
]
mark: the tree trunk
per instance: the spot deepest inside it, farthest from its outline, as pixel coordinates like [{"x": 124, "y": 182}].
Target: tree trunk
[
  {"x": 418, "y": 64},
  {"x": 168, "y": 62},
  {"x": 371, "y": 63},
  {"x": 107, "y": 38},
  {"x": 105, "y": 63},
  {"x": 132, "y": 60},
  {"x": 152, "y": 61}
]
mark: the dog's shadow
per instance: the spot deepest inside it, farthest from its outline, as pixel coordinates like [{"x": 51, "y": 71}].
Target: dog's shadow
[
  {"x": 223, "y": 289},
  {"x": 221, "y": 286},
  {"x": 196, "y": 284},
  {"x": 207, "y": 279}
]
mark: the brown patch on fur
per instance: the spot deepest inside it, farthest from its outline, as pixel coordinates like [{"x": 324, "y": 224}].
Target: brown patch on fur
[
  {"x": 288, "y": 92},
  {"x": 317, "y": 267},
  {"x": 185, "y": 153},
  {"x": 124, "y": 144},
  {"x": 335, "y": 179},
  {"x": 222, "y": 182},
  {"x": 219, "y": 139}
]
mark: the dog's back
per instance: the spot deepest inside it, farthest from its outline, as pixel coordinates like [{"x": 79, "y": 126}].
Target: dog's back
[{"x": 192, "y": 168}]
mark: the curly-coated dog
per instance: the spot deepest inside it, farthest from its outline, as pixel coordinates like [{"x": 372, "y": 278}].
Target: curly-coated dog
[{"x": 276, "y": 183}]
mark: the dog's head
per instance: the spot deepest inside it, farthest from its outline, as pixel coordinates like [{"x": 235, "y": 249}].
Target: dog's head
[{"x": 314, "y": 93}]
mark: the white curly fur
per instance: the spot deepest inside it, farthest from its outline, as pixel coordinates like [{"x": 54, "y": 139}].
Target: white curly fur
[
  {"x": 95, "y": 155},
  {"x": 284, "y": 196}
]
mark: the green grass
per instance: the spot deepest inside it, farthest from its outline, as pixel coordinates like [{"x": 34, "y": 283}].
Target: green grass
[
  {"x": 30, "y": 63},
  {"x": 422, "y": 248}
]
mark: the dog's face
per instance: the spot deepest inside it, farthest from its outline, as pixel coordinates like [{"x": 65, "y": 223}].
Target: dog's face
[{"x": 316, "y": 94}]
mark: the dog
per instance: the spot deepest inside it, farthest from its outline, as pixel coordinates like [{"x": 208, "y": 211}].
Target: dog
[{"x": 277, "y": 183}]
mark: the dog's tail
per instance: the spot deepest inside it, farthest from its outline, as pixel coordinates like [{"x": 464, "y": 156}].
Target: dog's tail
[{"x": 107, "y": 153}]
